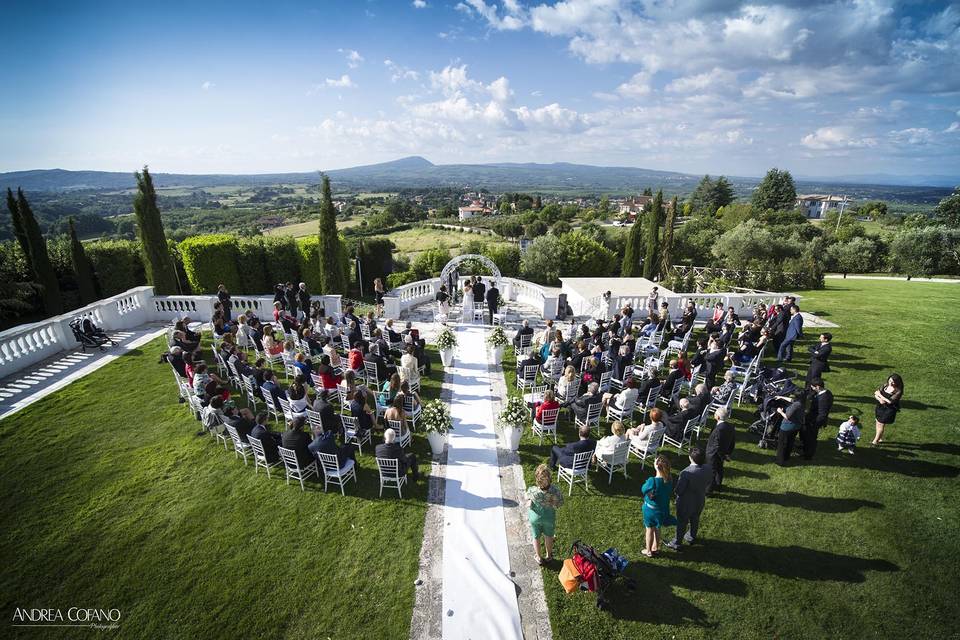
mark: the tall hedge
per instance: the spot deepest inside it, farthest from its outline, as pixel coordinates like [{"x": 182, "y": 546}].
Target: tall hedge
[
  {"x": 211, "y": 260},
  {"x": 117, "y": 264},
  {"x": 283, "y": 260},
  {"x": 309, "y": 258},
  {"x": 376, "y": 260},
  {"x": 153, "y": 242},
  {"x": 254, "y": 277}
]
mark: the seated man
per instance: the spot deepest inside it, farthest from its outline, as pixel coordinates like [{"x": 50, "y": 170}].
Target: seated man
[
  {"x": 524, "y": 330},
  {"x": 241, "y": 420},
  {"x": 670, "y": 381},
  {"x": 270, "y": 384},
  {"x": 678, "y": 421},
  {"x": 295, "y": 438},
  {"x": 564, "y": 455},
  {"x": 326, "y": 442},
  {"x": 700, "y": 399},
  {"x": 581, "y": 405},
  {"x": 531, "y": 360},
  {"x": 393, "y": 451},
  {"x": 269, "y": 439},
  {"x": 328, "y": 417}
]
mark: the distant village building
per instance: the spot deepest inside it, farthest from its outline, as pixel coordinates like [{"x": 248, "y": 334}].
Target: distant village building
[
  {"x": 815, "y": 205},
  {"x": 635, "y": 205},
  {"x": 473, "y": 210}
]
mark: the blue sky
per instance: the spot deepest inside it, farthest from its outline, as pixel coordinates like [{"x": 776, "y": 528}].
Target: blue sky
[{"x": 718, "y": 86}]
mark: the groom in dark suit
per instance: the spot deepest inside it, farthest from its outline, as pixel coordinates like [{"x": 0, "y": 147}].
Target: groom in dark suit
[
  {"x": 692, "y": 486},
  {"x": 493, "y": 300}
]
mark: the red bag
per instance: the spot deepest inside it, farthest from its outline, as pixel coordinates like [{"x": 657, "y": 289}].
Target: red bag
[{"x": 588, "y": 572}]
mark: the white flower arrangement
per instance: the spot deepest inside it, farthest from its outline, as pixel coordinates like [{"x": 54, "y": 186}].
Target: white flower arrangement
[
  {"x": 514, "y": 413},
  {"x": 435, "y": 417},
  {"x": 446, "y": 339},
  {"x": 497, "y": 337}
]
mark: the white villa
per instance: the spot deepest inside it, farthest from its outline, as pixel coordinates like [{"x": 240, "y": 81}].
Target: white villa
[{"x": 815, "y": 205}]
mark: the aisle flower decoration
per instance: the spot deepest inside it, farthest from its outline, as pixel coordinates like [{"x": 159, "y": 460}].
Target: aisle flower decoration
[
  {"x": 514, "y": 413},
  {"x": 446, "y": 339},
  {"x": 435, "y": 417},
  {"x": 497, "y": 337}
]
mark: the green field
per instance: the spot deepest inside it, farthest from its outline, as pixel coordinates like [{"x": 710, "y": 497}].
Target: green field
[
  {"x": 308, "y": 228},
  {"x": 113, "y": 502},
  {"x": 844, "y": 546},
  {"x": 413, "y": 241}
]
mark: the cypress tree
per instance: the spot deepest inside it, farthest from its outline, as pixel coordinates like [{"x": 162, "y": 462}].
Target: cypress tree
[
  {"x": 666, "y": 252},
  {"x": 153, "y": 242},
  {"x": 18, "y": 231},
  {"x": 332, "y": 277},
  {"x": 81, "y": 267},
  {"x": 631, "y": 256},
  {"x": 45, "y": 276},
  {"x": 650, "y": 266}
]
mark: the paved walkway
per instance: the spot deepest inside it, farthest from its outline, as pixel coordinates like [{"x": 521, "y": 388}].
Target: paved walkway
[
  {"x": 42, "y": 379},
  {"x": 479, "y": 597}
]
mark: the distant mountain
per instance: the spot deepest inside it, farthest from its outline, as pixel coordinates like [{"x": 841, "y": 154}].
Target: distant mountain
[
  {"x": 890, "y": 179},
  {"x": 415, "y": 172}
]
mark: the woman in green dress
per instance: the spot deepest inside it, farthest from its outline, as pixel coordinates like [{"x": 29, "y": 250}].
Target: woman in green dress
[
  {"x": 543, "y": 498},
  {"x": 657, "y": 492}
]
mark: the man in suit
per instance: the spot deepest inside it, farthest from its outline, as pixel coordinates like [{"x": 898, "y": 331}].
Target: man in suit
[
  {"x": 819, "y": 356},
  {"x": 524, "y": 330},
  {"x": 269, "y": 439},
  {"x": 384, "y": 370},
  {"x": 581, "y": 405},
  {"x": 291, "y": 300},
  {"x": 692, "y": 487},
  {"x": 821, "y": 402},
  {"x": 295, "y": 438},
  {"x": 328, "y": 417},
  {"x": 479, "y": 291},
  {"x": 713, "y": 363},
  {"x": 326, "y": 442},
  {"x": 719, "y": 446},
  {"x": 794, "y": 331},
  {"x": 271, "y": 386},
  {"x": 576, "y": 360},
  {"x": 493, "y": 299},
  {"x": 390, "y": 449},
  {"x": 700, "y": 399},
  {"x": 564, "y": 455},
  {"x": 532, "y": 359},
  {"x": 303, "y": 300},
  {"x": 678, "y": 421},
  {"x": 241, "y": 420},
  {"x": 673, "y": 376}
]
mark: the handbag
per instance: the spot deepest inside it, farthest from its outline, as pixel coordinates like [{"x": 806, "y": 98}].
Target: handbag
[{"x": 569, "y": 576}]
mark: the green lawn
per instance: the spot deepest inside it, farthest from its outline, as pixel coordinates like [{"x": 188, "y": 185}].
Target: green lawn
[
  {"x": 846, "y": 546},
  {"x": 112, "y": 502}
]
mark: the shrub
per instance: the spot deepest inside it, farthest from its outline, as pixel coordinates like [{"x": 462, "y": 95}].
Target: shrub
[
  {"x": 251, "y": 262},
  {"x": 210, "y": 260},
  {"x": 309, "y": 262},
  {"x": 376, "y": 259},
  {"x": 117, "y": 265},
  {"x": 283, "y": 260}
]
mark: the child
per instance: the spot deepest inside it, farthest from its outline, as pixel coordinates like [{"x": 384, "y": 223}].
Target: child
[
  {"x": 543, "y": 500},
  {"x": 848, "y": 435}
]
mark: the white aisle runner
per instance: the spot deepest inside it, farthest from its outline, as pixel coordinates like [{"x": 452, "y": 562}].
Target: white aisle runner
[{"x": 479, "y": 598}]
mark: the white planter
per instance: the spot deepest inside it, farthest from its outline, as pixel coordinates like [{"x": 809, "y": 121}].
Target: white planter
[
  {"x": 497, "y": 354},
  {"x": 437, "y": 440},
  {"x": 511, "y": 437},
  {"x": 446, "y": 357}
]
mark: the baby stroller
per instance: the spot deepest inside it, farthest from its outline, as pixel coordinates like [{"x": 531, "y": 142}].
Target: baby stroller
[
  {"x": 768, "y": 426},
  {"x": 598, "y": 570},
  {"x": 89, "y": 334}
]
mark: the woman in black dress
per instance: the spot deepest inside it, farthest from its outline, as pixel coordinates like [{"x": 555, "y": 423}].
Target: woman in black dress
[
  {"x": 378, "y": 292},
  {"x": 888, "y": 404}
]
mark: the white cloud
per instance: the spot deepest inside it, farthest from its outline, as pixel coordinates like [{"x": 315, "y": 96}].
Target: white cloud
[
  {"x": 552, "y": 117},
  {"x": 913, "y": 135},
  {"x": 451, "y": 80},
  {"x": 399, "y": 72},
  {"x": 636, "y": 87},
  {"x": 954, "y": 126},
  {"x": 511, "y": 20},
  {"x": 829, "y": 138},
  {"x": 207, "y": 85},
  {"x": 353, "y": 57},
  {"x": 715, "y": 81},
  {"x": 500, "y": 89},
  {"x": 344, "y": 82},
  {"x": 420, "y": 4}
]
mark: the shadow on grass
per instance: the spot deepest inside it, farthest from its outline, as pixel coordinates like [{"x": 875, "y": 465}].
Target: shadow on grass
[
  {"x": 793, "y": 562},
  {"x": 793, "y": 499},
  {"x": 655, "y": 600},
  {"x": 910, "y": 405},
  {"x": 932, "y": 447}
]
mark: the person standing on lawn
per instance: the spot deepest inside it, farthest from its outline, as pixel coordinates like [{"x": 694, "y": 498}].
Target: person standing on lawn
[
  {"x": 888, "y": 404},
  {"x": 657, "y": 492},
  {"x": 692, "y": 486},
  {"x": 543, "y": 498}
]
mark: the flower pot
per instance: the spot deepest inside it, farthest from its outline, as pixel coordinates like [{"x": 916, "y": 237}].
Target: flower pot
[
  {"x": 511, "y": 437},
  {"x": 497, "y": 354},
  {"x": 437, "y": 440},
  {"x": 446, "y": 357}
]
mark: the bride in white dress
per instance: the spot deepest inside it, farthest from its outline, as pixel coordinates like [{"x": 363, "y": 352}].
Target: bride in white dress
[{"x": 467, "y": 302}]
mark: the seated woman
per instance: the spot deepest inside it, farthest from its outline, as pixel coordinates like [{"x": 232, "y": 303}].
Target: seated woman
[
  {"x": 186, "y": 346},
  {"x": 328, "y": 378},
  {"x": 360, "y": 410},
  {"x": 716, "y": 319},
  {"x": 289, "y": 351},
  {"x": 304, "y": 366},
  {"x": 355, "y": 357},
  {"x": 640, "y": 436},
  {"x": 567, "y": 382},
  {"x": 595, "y": 369},
  {"x": 354, "y": 335},
  {"x": 723, "y": 392},
  {"x": 189, "y": 368},
  {"x": 370, "y": 321},
  {"x": 653, "y": 321},
  {"x": 553, "y": 358},
  {"x": 270, "y": 344},
  {"x": 626, "y": 397},
  {"x": 307, "y": 335},
  {"x": 389, "y": 391},
  {"x": 392, "y": 335},
  {"x": 297, "y": 395},
  {"x": 395, "y": 410},
  {"x": 405, "y": 392},
  {"x": 549, "y": 402},
  {"x": 605, "y": 446},
  {"x": 409, "y": 366},
  {"x": 330, "y": 350},
  {"x": 207, "y": 385}
]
